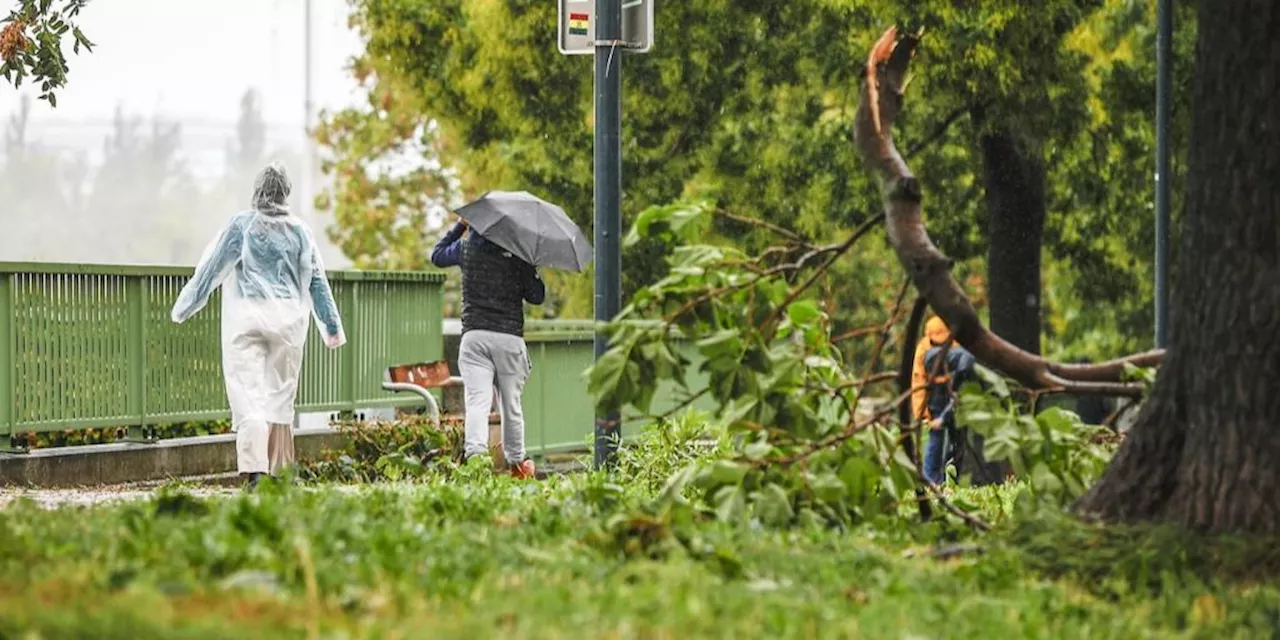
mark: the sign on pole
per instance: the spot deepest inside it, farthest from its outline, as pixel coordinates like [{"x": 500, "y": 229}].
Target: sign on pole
[{"x": 578, "y": 26}]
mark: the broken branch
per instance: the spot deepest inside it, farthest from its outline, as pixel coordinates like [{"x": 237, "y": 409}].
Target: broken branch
[{"x": 928, "y": 268}]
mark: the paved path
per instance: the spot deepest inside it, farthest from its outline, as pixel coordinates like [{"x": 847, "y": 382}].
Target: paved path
[
  {"x": 222, "y": 485},
  {"x": 56, "y": 498}
]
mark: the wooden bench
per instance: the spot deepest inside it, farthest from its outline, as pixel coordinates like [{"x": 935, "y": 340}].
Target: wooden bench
[{"x": 420, "y": 378}]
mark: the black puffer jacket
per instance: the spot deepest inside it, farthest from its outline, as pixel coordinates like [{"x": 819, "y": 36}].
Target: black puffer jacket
[{"x": 495, "y": 284}]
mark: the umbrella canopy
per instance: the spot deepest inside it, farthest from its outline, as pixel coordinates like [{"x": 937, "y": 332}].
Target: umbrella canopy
[{"x": 531, "y": 228}]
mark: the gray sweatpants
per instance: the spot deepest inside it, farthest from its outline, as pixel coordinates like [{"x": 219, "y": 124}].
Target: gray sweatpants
[{"x": 486, "y": 359}]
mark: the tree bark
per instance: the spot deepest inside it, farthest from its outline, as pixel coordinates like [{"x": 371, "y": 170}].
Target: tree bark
[
  {"x": 1205, "y": 451},
  {"x": 1015, "y": 194}
]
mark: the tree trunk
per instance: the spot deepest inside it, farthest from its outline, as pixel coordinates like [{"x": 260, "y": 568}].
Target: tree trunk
[
  {"x": 1205, "y": 452},
  {"x": 1014, "y": 181}
]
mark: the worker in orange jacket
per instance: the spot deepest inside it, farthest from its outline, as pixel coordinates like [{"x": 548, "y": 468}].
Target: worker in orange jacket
[{"x": 936, "y": 334}]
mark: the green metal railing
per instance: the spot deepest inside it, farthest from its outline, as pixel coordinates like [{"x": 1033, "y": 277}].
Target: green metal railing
[
  {"x": 559, "y": 413},
  {"x": 93, "y": 346}
]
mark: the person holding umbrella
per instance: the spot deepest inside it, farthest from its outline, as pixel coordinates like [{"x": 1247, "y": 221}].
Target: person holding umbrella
[{"x": 499, "y": 242}]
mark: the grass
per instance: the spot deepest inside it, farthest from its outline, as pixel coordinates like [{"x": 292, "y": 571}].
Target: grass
[{"x": 474, "y": 555}]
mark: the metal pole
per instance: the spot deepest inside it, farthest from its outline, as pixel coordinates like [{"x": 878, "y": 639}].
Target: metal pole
[
  {"x": 1164, "y": 59},
  {"x": 308, "y": 179},
  {"x": 608, "y": 198}
]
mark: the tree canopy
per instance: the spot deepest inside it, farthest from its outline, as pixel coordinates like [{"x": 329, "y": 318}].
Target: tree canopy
[
  {"x": 751, "y": 107},
  {"x": 31, "y": 43}
]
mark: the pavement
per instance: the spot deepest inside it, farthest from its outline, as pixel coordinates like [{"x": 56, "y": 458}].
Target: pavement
[
  {"x": 93, "y": 496},
  {"x": 208, "y": 486}
]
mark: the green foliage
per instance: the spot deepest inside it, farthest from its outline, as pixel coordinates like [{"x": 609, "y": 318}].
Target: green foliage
[
  {"x": 375, "y": 451},
  {"x": 753, "y": 109},
  {"x": 1100, "y": 235},
  {"x": 31, "y": 39},
  {"x": 809, "y": 442},
  {"x": 77, "y": 437},
  {"x": 1057, "y": 454},
  {"x": 387, "y": 182},
  {"x": 803, "y": 448}
]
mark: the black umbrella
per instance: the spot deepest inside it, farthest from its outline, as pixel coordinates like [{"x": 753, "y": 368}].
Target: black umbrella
[{"x": 531, "y": 228}]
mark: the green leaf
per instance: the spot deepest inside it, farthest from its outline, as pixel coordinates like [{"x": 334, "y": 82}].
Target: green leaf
[
  {"x": 803, "y": 312},
  {"x": 773, "y": 506},
  {"x": 757, "y": 449},
  {"x": 605, "y": 376},
  {"x": 994, "y": 381},
  {"x": 654, "y": 221},
  {"x": 1044, "y": 480},
  {"x": 726, "y": 343},
  {"x": 756, "y": 359},
  {"x": 807, "y": 518},
  {"x": 673, "y": 489},
  {"x": 728, "y": 471},
  {"x": 859, "y": 476},
  {"x": 737, "y": 409},
  {"x": 730, "y": 503},
  {"x": 827, "y": 487},
  {"x": 1059, "y": 419}
]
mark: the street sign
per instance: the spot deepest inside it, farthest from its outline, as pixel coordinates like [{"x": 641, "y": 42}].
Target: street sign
[{"x": 578, "y": 26}]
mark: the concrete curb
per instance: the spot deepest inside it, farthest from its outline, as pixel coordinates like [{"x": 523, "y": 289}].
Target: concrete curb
[{"x": 127, "y": 462}]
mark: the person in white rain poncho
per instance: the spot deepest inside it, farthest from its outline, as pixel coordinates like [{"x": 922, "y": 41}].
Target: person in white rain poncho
[{"x": 274, "y": 283}]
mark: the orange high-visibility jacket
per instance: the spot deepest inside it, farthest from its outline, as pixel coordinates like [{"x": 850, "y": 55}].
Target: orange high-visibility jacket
[{"x": 936, "y": 334}]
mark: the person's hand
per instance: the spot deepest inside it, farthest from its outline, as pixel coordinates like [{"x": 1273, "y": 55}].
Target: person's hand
[
  {"x": 935, "y": 424},
  {"x": 336, "y": 340}
]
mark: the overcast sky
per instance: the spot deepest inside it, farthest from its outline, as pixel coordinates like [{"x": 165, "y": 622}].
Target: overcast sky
[
  {"x": 192, "y": 59},
  {"x": 190, "y": 62}
]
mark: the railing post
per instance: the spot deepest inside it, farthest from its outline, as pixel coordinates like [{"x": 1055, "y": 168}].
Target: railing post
[
  {"x": 7, "y": 339},
  {"x": 136, "y": 301},
  {"x": 347, "y": 354}
]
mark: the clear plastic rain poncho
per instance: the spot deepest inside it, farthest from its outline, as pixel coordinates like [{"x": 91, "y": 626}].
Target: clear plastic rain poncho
[{"x": 272, "y": 282}]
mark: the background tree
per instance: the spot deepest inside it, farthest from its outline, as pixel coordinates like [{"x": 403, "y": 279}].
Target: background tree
[
  {"x": 1029, "y": 91},
  {"x": 247, "y": 152},
  {"x": 143, "y": 173},
  {"x": 1203, "y": 450},
  {"x": 388, "y": 181},
  {"x": 748, "y": 111},
  {"x": 31, "y": 39},
  {"x": 751, "y": 111},
  {"x": 1100, "y": 236}
]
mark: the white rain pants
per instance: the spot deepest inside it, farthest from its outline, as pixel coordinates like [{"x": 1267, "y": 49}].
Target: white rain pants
[{"x": 261, "y": 360}]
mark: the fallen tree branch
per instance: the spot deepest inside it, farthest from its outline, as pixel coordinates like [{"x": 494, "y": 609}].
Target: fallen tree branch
[
  {"x": 836, "y": 252},
  {"x": 928, "y": 268},
  {"x": 768, "y": 226},
  {"x": 883, "y": 339},
  {"x": 860, "y": 332},
  {"x": 853, "y": 428}
]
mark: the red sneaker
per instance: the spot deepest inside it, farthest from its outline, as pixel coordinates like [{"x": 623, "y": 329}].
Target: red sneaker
[{"x": 524, "y": 470}]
